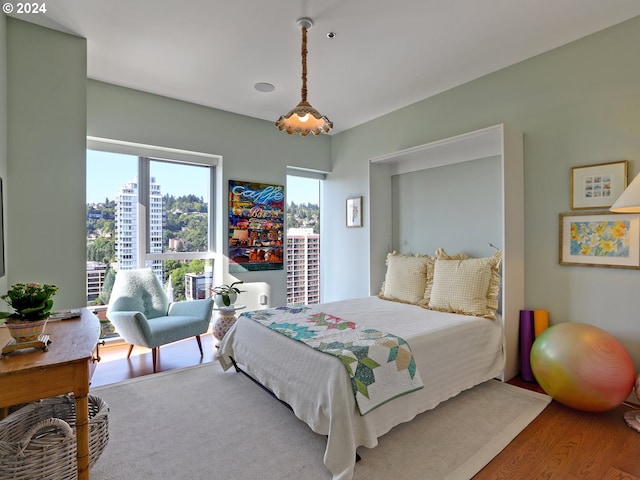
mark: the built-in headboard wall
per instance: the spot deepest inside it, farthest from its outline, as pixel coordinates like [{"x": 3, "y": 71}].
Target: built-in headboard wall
[
  {"x": 460, "y": 193},
  {"x": 453, "y": 206}
]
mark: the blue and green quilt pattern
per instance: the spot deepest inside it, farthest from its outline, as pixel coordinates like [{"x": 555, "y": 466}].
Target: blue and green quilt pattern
[{"x": 380, "y": 365}]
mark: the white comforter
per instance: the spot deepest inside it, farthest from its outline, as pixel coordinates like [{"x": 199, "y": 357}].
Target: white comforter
[{"x": 452, "y": 352}]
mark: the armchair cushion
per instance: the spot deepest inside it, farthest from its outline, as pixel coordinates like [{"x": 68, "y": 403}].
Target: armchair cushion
[
  {"x": 139, "y": 291},
  {"x": 193, "y": 308}
]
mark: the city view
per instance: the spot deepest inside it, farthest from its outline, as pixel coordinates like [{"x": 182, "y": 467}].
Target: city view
[{"x": 177, "y": 224}]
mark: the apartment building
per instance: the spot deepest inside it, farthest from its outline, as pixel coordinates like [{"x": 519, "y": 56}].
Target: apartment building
[
  {"x": 96, "y": 272},
  {"x": 128, "y": 223},
  {"x": 303, "y": 266}
]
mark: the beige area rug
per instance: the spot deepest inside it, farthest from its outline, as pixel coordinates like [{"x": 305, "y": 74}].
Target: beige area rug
[{"x": 200, "y": 423}]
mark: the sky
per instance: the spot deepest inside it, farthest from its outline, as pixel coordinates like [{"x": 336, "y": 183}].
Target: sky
[{"x": 107, "y": 172}]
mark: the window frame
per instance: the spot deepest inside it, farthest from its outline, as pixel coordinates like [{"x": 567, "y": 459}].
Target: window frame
[{"x": 146, "y": 154}]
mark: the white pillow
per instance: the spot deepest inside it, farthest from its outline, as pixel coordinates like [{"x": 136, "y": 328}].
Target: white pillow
[
  {"x": 440, "y": 253},
  {"x": 467, "y": 286},
  {"x": 406, "y": 278}
]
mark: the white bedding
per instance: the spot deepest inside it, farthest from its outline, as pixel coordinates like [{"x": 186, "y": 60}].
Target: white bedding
[{"x": 452, "y": 353}]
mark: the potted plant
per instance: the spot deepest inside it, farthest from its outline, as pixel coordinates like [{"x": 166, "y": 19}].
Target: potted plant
[
  {"x": 226, "y": 295},
  {"x": 31, "y": 304}
]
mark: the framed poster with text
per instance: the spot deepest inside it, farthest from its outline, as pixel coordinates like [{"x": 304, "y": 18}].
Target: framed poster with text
[{"x": 256, "y": 223}]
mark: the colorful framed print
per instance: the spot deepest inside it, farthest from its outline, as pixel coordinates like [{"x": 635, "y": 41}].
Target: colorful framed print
[
  {"x": 598, "y": 239},
  {"x": 256, "y": 226},
  {"x": 597, "y": 186},
  {"x": 354, "y": 212}
]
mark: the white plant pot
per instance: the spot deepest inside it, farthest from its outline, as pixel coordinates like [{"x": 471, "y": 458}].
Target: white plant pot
[{"x": 233, "y": 296}]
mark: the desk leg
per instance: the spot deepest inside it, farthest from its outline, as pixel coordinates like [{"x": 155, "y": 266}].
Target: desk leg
[{"x": 82, "y": 436}]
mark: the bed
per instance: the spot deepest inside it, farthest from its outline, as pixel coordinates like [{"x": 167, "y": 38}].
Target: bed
[{"x": 452, "y": 351}]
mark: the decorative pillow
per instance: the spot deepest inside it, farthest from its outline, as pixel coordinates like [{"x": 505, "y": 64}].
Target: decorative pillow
[
  {"x": 440, "y": 253},
  {"x": 406, "y": 277},
  {"x": 468, "y": 286}
]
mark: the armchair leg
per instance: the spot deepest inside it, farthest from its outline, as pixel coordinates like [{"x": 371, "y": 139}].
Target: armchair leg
[
  {"x": 154, "y": 358},
  {"x": 199, "y": 344},
  {"x": 130, "y": 350}
]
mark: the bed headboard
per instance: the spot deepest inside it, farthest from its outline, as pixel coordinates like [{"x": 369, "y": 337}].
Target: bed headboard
[{"x": 461, "y": 193}]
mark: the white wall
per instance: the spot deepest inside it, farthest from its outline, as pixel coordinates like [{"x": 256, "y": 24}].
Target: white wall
[{"x": 577, "y": 105}]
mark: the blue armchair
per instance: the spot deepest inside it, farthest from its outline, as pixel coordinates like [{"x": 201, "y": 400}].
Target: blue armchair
[{"x": 142, "y": 314}]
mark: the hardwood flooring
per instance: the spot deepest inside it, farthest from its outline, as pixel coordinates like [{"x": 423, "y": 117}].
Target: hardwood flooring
[
  {"x": 565, "y": 444},
  {"x": 114, "y": 366},
  {"x": 560, "y": 444}
]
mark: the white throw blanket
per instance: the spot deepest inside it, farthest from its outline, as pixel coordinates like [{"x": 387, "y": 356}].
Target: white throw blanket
[{"x": 380, "y": 365}]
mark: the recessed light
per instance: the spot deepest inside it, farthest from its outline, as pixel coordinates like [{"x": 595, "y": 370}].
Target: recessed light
[{"x": 264, "y": 87}]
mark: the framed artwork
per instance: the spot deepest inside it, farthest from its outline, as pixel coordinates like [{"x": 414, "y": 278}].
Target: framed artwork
[
  {"x": 256, "y": 223},
  {"x": 354, "y": 212},
  {"x": 597, "y": 186},
  {"x": 600, "y": 239}
]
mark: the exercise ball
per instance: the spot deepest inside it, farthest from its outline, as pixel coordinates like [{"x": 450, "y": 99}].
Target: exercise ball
[{"x": 582, "y": 367}]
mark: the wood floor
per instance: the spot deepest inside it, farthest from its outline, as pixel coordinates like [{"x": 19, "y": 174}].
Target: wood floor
[{"x": 560, "y": 444}]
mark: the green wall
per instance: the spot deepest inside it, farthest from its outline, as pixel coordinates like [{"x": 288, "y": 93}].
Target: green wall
[
  {"x": 46, "y": 130},
  {"x": 447, "y": 206},
  {"x": 577, "y": 105},
  {"x": 3, "y": 129}
]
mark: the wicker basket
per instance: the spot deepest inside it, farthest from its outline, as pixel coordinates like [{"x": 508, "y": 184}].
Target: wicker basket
[{"x": 37, "y": 441}]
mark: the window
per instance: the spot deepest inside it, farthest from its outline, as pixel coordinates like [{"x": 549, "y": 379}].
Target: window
[
  {"x": 149, "y": 207},
  {"x": 303, "y": 239}
]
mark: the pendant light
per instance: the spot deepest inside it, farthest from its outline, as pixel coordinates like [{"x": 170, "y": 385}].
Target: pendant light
[{"x": 304, "y": 119}]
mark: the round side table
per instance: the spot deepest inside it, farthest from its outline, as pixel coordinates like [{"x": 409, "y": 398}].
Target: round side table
[{"x": 226, "y": 318}]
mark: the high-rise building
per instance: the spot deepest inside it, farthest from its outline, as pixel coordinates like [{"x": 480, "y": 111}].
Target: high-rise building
[
  {"x": 95, "y": 279},
  {"x": 128, "y": 224},
  {"x": 197, "y": 285},
  {"x": 303, "y": 266}
]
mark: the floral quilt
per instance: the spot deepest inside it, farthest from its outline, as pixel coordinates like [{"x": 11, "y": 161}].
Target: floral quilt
[{"x": 380, "y": 365}]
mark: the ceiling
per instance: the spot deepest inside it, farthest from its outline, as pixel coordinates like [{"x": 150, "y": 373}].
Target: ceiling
[{"x": 384, "y": 55}]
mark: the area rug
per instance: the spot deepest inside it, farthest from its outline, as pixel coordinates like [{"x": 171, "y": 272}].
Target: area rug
[{"x": 201, "y": 423}]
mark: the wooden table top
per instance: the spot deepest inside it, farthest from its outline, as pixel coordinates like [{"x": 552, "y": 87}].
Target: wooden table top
[{"x": 71, "y": 340}]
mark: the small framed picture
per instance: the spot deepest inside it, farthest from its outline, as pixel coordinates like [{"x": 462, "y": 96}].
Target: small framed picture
[
  {"x": 354, "y": 212},
  {"x": 600, "y": 239},
  {"x": 597, "y": 186}
]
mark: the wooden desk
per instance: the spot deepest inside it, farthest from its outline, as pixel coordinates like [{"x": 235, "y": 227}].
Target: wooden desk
[{"x": 28, "y": 375}]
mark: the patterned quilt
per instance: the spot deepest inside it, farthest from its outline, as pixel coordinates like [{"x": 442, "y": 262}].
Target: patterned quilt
[{"x": 380, "y": 365}]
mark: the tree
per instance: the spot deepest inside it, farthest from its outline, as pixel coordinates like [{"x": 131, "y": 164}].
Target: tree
[
  {"x": 107, "y": 285},
  {"x": 303, "y": 216},
  {"x": 177, "y": 271},
  {"x": 102, "y": 249}
]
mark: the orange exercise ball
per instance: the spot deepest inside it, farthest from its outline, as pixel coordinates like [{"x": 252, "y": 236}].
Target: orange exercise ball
[{"x": 582, "y": 367}]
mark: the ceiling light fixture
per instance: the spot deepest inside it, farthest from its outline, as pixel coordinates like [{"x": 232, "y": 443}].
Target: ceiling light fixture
[{"x": 304, "y": 119}]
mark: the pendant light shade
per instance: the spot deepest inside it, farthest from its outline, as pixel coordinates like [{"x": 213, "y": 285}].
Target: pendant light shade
[{"x": 304, "y": 119}]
